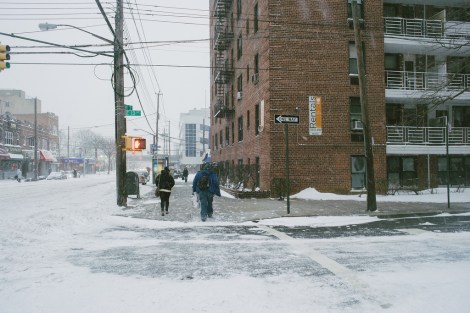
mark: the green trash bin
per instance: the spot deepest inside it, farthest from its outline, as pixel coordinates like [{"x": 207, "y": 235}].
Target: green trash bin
[{"x": 132, "y": 184}]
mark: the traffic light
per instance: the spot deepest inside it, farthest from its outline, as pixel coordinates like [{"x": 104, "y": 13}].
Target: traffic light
[
  {"x": 138, "y": 144},
  {"x": 4, "y": 55},
  {"x": 134, "y": 143}
]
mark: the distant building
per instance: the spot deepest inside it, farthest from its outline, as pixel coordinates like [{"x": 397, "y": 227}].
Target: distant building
[
  {"x": 299, "y": 58},
  {"x": 17, "y": 136},
  {"x": 194, "y": 134}
]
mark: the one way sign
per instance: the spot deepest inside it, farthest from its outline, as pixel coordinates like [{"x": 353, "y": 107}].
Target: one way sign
[{"x": 286, "y": 119}]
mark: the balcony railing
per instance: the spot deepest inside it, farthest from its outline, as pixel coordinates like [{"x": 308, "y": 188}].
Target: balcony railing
[
  {"x": 398, "y": 26},
  {"x": 428, "y": 136},
  {"x": 407, "y": 27},
  {"x": 426, "y": 81}
]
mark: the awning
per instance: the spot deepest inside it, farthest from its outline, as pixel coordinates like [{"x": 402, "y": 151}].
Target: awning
[
  {"x": 4, "y": 154},
  {"x": 46, "y": 155},
  {"x": 15, "y": 156}
]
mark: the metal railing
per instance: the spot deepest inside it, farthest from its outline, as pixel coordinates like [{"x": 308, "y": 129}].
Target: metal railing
[
  {"x": 407, "y": 27},
  {"x": 428, "y": 136},
  {"x": 426, "y": 80},
  {"x": 422, "y": 28}
]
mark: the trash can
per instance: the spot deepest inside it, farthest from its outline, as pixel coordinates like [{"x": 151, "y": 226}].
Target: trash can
[{"x": 132, "y": 184}]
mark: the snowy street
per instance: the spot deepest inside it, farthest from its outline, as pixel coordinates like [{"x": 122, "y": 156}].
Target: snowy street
[{"x": 67, "y": 247}]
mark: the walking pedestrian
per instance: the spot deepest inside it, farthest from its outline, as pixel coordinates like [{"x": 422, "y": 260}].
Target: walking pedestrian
[
  {"x": 185, "y": 174},
  {"x": 18, "y": 175},
  {"x": 206, "y": 185},
  {"x": 164, "y": 181}
]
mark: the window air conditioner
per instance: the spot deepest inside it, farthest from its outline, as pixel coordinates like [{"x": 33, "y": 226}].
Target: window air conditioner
[
  {"x": 255, "y": 78},
  {"x": 357, "y": 125},
  {"x": 239, "y": 95}
]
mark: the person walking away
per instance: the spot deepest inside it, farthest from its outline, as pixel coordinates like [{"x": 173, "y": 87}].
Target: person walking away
[
  {"x": 165, "y": 182},
  {"x": 18, "y": 175},
  {"x": 185, "y": 174},
  {"x": 206, "y": 185}
]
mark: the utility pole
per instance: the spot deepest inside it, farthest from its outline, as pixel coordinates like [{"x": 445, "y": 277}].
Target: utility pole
[
  {"x": 169, "y": 144},
  {"x": 68, "y": 142},
  {"x": 120, "y": 121},
  {"x": 371, "y": 193},
  {"x": 158, "y": 117},
  {"x": 35, "y": 139}
]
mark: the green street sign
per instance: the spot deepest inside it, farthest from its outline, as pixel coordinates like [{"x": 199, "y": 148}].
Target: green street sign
[
  {"x": 128, "y": 107},
  {"x": 133, "y": 113}
]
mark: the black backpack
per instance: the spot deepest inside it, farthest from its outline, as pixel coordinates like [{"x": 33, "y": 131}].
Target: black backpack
[{"x": 203, "y": 183}]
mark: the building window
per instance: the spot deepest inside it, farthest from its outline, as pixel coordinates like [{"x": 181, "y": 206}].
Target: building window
[
  {"x": 361, "y": 13},
  {"x": 401, "y": 171},
  {"x": 257, "y": 118},
  {"x": 355, "y": 120},
  {"x": 358, "y": 172},
  {"x": 361, "y": 8},
  {"x": 8, "y": 138},
  {"x": 190, "y": 140},
  {"x": 240, "y": 128},
  {"x": 255, "y": 22},
  {"x": 353, "y": 70},
  {"x": 221, "y": 138},
  {"x": 248, "y": 119},
  {"x": 353, "y": 60},
  {"x": 256, "y": 74},
  {"x": 233, "y": 132},
  {"x": 239, "y": 85},
  {"x": 247, "y": 73},
  {"x": 239, "y": 46},
  {"x": 29, "y": 141},
  {"x": 227, "y": 135},
  {"x": 459, "y": 173},
  {"x": 239, "y": 9},
  {"x": 257, "y": 170}
]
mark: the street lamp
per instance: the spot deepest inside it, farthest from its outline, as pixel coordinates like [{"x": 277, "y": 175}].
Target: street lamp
[{"x": 46, "y": 26}]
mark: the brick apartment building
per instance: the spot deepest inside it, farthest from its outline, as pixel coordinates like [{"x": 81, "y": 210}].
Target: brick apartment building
[{"x": 284, "y": 57}]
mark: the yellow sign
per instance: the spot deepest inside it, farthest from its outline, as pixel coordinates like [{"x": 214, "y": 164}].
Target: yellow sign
[{"x": 315, "y": 115}]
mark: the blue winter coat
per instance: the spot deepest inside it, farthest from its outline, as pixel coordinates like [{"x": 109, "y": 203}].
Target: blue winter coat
[{"x": 213, "y": 182}]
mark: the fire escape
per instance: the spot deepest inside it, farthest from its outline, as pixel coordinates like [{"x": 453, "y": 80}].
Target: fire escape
[{"x": 223, "y": 37}]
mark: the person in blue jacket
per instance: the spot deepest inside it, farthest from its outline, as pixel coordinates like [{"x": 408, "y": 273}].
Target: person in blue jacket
[{"x": 206, "y": 185}]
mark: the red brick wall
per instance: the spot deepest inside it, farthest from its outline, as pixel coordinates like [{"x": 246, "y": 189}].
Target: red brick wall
[{"x": 303, "y": 48}]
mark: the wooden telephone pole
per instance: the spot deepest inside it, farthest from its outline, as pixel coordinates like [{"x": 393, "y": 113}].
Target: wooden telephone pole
[
  {"x": 120, "y": 121},
  {"x": 370, "y": 184}
]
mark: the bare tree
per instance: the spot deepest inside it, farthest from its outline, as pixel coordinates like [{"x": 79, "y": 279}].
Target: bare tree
[{"x": 108, "y": 147}]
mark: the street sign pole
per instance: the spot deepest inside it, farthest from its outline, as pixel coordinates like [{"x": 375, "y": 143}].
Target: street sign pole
[
  {"x": 286, "y": 132},
  {"x": 286, "y": 120}
]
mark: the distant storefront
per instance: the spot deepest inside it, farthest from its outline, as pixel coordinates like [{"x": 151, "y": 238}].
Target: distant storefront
[{"x": 83, "y": 165}]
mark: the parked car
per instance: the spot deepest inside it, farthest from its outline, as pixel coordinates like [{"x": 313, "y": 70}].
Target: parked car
[
  {"x": 57, "y": 175},
  {"x": 143, "y": 177},
  {"x": 177, "y": 174}
]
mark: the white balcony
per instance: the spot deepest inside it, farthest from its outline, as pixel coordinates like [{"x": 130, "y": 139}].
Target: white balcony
[
  {"x": 405, "y": 80},
  {"x": 415, "y": 27},
  {"x": 427, "y": 140}
]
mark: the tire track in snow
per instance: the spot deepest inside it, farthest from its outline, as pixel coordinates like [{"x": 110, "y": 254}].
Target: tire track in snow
[{"x": 331, "y": 265}]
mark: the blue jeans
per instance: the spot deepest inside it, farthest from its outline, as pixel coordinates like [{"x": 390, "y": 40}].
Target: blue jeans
[{"x": 206, "y": 198}]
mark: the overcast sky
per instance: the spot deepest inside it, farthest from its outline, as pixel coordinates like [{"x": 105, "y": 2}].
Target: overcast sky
[{"x": 78, "y": 89}]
